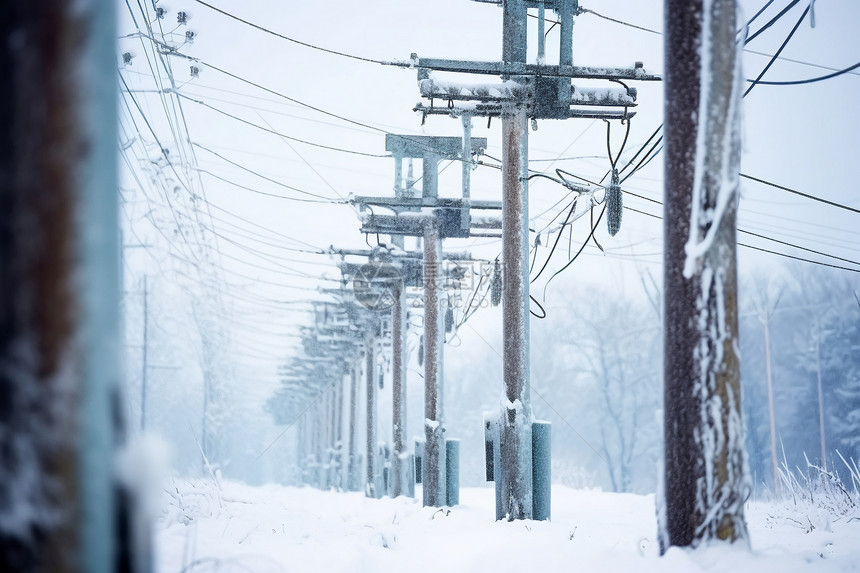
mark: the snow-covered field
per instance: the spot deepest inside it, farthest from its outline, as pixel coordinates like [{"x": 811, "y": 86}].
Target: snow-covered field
[{"x": 275, "y": 528}]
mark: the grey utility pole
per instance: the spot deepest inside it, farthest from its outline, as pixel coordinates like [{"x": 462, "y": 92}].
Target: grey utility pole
[
  {"x": 372, "y": 485},
  {"x": 144, "y": 363},
  {"x": 443, "y": 218},
  {"x": 352, "y": 469},
  {"x": 706, "y": 481},
  {"x": 527, "y": 91},
  {"x": 515, "y": 475},
  {"x": 61, "y": 508},
  {"x": 378, "y": 287},
  {"x": 401, "y": 484}
]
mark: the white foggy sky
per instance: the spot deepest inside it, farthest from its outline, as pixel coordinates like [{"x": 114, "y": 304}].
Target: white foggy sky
[{"x": 805, "y": 137}]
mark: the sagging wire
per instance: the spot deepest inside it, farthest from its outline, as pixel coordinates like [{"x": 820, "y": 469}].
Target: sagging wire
[
  {"x": 540, "y": 306},
  {"x": 557, "y": 238},
  {"x": 469, "y": 311},
  {"x": 579, "y": 252}
]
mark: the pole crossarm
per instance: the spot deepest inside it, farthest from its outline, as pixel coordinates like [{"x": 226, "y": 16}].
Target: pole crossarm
[
  {"x": 417, "y": 146},
  {"x": 498, "y": 110},
  {"x": 528, "y": 87},
  {"x": 512, "y": 69},
  {"x": 410, "y": 270},
  {"x": 412, "y": 224},
  {"x": 453, "y": 256},
  {"x": 419, "y": 202},
  {"x": 542, "y": 91}
]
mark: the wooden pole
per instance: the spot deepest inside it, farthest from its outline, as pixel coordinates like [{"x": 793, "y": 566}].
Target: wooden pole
[{"x": 705, "y": 481}]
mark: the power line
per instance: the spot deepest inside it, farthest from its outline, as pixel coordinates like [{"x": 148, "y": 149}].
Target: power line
[
  {"x": 781, "y": 47},
  {"x": 267, "y": 194},
  {"x": 757, "y": 235},
  {"x": 773, "y": 20},
  {"x": 748, "y": 50},
  {"x": 801, "y": 194},
  {"x": 623, "y": 23},
  {"x": 314, "y": 108},
  {"x": 809, "y": 80},
  {"x": 801, "y": 62},
  {"x": 261, "y": 176}
]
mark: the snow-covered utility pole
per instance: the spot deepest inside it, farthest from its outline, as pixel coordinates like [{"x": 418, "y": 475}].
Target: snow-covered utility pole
[
  {"x": 705, "y": 476},
  {"x": 526, "y": 91},
  {"x": 59, "y": 290},
  {"x": 433, "y": 472},
  {"x": 144, "y": 366},
  {"x": 372, "y": 486},
  {"x": 399, "y": 455},
  {"x": 515, "y": 451},
  {"x": 764, "y": 318},
  {"x": 352, "y": 463},
  {"x": 433, "y": 219},
  {"x": 820, "y": 392},
  {"x": 337, "y": 445}
]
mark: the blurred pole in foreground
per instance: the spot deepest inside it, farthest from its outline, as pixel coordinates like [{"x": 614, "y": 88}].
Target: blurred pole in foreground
[{"x": 61, "y": 509}]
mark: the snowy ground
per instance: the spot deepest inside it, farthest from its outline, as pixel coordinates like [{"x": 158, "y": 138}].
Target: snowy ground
[{"x": 274, "y": 528}]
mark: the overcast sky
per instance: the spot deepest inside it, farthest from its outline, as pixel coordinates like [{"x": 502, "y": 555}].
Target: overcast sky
[{"x": 804, "y": 137}]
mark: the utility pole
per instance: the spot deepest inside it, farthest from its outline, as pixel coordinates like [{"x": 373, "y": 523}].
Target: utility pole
[
  {"x": 433, "y": 219},
  {"x": 399, "y": 456},
  {"x": 401, "y": 484},
  {"x": 705, "y": 482},
  {"x": 144, "y": 366},
  {"x": 515, "y": 475},
  {"x": 777, "y": 482},
  {"x": 337, "y": 445},
  {"x": 433, "y": 472},
  {"x": 818, "y": 335},
  {"x": 527, "y": 91},
  {"x": 62, "y": 509},
  {"x": 352, "y": 471}
]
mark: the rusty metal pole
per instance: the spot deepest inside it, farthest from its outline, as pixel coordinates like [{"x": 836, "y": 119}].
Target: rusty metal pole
[
  {"x": 371, "y": 482},
  {"x": 398, "y": 390},
  {"x": 434, "y": 468},
  {"x": 352, "y": 469}
]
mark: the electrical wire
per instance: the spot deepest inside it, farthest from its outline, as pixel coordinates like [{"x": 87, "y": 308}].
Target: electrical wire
[
  {"x": 323, "y": 201},
  {"x": 772, "y": 21},
  {"x": 287, "y": 38},
  {"x": 748, "y": 246},
  {"x": 808, "y": 80},
  {"x": 296, "y": 139},
  {"x": 781, "y": 47},
  {"x": 748, "y": 50}
]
